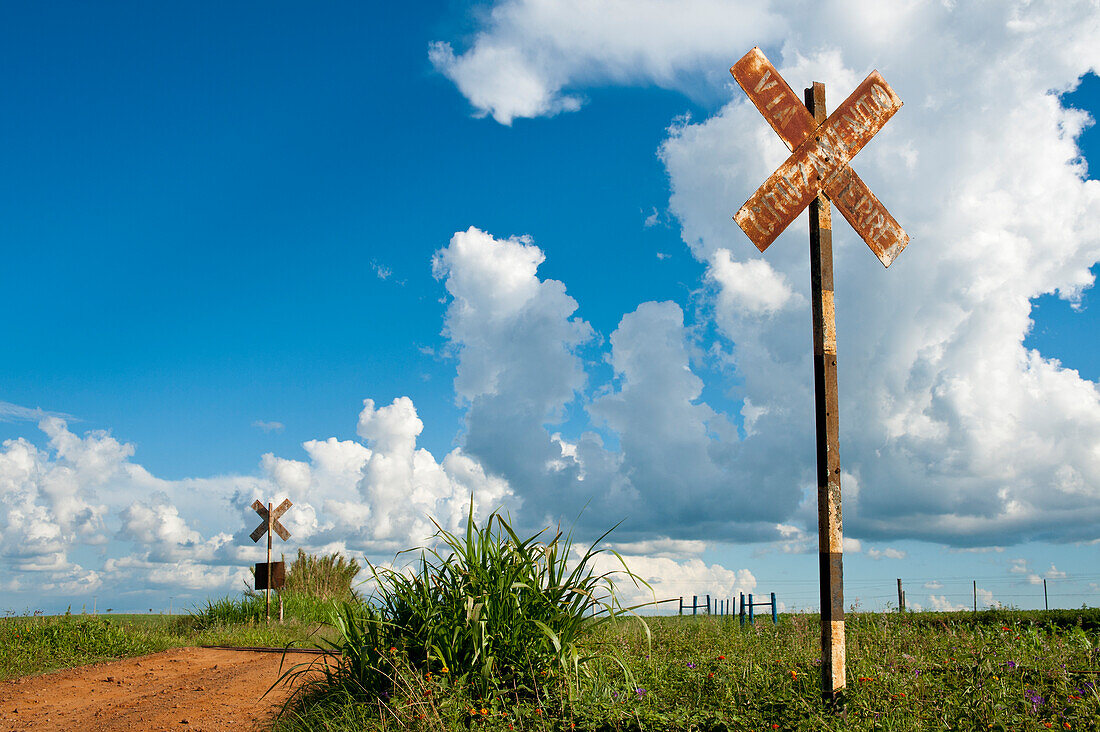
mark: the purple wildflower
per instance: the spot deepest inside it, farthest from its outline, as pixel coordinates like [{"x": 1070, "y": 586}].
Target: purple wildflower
[
  {"x": 1035, "y": 700},
  {"x": 691, "y": 665},
  {"x": 640, "y": 692}
]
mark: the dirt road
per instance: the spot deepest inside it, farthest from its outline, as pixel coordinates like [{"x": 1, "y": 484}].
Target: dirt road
[{"x": 179, "y": 689}]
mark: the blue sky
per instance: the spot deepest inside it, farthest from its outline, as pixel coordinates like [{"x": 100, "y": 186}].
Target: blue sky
[{"x": 226, "y": 227}]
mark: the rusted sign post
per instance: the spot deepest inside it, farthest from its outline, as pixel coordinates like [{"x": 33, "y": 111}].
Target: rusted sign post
[
  {"x": 270, "y": 525},
  {"x": 817, "y": 172}
]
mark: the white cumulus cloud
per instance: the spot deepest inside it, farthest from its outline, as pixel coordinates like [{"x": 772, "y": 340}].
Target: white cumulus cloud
[
  {"x": 953, "y": 427},
  {"x": 521, "y": 63}
]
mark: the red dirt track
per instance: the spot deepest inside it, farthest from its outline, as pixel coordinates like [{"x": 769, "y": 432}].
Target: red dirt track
[{"x": 179, "y": 689}]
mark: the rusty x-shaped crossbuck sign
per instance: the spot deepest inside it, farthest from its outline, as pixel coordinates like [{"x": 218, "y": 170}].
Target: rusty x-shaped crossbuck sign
[
  {"x": 820, "y": 157},
  {"x": 273, "y": 522}
]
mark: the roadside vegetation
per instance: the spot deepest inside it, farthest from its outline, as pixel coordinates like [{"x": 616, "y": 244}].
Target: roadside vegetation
[
  {"x": 488, "y": 619},
  {"x": 905, "y": 672}
]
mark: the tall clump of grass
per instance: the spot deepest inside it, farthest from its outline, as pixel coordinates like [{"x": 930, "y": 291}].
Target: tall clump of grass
[
  {"x": 327, "y": 577},
  {"x": 485, "y": 612},
  {"x": 500, "y": 612}
]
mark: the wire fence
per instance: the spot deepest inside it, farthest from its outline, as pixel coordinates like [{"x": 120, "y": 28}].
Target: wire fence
[{"x": 1031, "y": 592}]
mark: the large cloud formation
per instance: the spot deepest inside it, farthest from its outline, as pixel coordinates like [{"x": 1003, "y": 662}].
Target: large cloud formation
[
  {"x": 952, "y": 430},
  {"x": 675, "y": 470},
  {"x": 80, "y": 516}
]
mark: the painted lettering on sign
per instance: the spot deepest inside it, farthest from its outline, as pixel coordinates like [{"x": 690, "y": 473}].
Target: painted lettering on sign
[
  {"x": 817, "y": 161},
  {"x": 866, "y": 214},
  {"x": 773, "y": 97}
]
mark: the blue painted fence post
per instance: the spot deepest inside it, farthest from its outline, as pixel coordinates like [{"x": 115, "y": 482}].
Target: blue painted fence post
[
  {"x": 775, "y": 614},
  {"x": 741, "y": 613},
  {"x": 694, "y": 603},
  {"x": 751, "y": 605}
]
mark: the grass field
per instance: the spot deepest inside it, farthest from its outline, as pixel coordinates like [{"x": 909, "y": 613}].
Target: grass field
[{"x": 905, "y": 672}]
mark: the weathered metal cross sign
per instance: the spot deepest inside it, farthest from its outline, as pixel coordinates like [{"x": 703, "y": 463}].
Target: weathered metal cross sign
[
  {"x": 270, "y": 525},
  {"x": 822, "y": 151},
  {"x": 271, "y": 520},
  {"x": 817, "y": 172}
]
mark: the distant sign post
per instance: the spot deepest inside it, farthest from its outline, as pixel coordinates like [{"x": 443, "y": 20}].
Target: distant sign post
[
  {"x": 817, "y": 172},
  {"x": 270, "y": 525}
]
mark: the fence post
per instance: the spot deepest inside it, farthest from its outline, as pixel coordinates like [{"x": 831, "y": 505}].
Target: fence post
[
  {"x": 681, "y": 605},
  {"x": 742, "y": 611},
  {"x": 694, "y": 603},
  {"x": 708, "y": 604},
  {"x": 751, "y": 606},
  {"x": 975, "y": 597},
  {"x": 775, "y": 613},
  {"x": 901, "y": 597},
  {"x": 1046, "y": 599}
]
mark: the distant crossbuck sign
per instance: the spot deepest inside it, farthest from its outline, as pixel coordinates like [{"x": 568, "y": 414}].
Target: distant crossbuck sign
[
  {"x": 270, "y": 525},
  {"x": 820, "y": 157},
  {"x": 277, "y": 527}
]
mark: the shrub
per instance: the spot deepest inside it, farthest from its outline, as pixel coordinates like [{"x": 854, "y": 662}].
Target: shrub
[
  {"x": 327, "y": 577},
  {"x": 486, "y": 613},
  {"x": 498, "y": 611}
]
